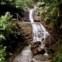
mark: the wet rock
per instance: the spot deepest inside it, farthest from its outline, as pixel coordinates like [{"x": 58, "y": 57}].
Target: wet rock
[
  {"x": 41, "y": 58},
  {"x": 26, "y": 30},
  {"x": 24, "y": 56}
]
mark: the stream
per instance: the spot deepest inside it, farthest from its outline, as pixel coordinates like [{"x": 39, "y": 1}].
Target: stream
[{"x": 39, "y": 32}]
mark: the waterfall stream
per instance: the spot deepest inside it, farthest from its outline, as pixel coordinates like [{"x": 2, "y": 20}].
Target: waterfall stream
[{"x": 39, "y": 34}]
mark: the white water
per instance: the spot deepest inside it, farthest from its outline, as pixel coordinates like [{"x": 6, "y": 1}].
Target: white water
[{"x": 38, "y": 30}]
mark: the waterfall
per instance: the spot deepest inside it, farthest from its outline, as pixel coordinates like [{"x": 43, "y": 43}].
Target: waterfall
[{"x": 39, "y": 32}]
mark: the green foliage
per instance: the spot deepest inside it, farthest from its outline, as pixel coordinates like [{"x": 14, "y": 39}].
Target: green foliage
[
  {"x": 4, "y": 23},
  {"x": 51, "y": 1},
  {"x": 8, "y": 32},
  {"x": 2, "y": 53},
  {"x": 50, "y": 12},
  {"x": 18, "y": 3},
  {"x": 13, "y": 30},
  {"x": 2, "y": 37},
  {"x": 58, "y": 57},
  {"x": 23, "y": 4}
]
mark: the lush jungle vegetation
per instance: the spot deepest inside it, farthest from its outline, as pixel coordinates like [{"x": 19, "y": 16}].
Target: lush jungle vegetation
[{"x": 51, "y": 14}]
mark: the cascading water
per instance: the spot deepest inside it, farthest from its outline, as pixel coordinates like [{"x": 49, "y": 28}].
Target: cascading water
[{"x": 38, "y": 30}]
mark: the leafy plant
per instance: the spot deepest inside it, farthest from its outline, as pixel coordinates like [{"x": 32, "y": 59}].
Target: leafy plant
[
  {"x": 58, "y": 57},
  {"x": 2, "y": 37},
  {"x": 4, "y": 21},
  {"x": 3, "y": 25},
  {"x": 18, "y": 3},
  {"x": 23, "y": 4},
  {"x": 2, "y": 53},
  {"x": 50, "y": 12}
]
